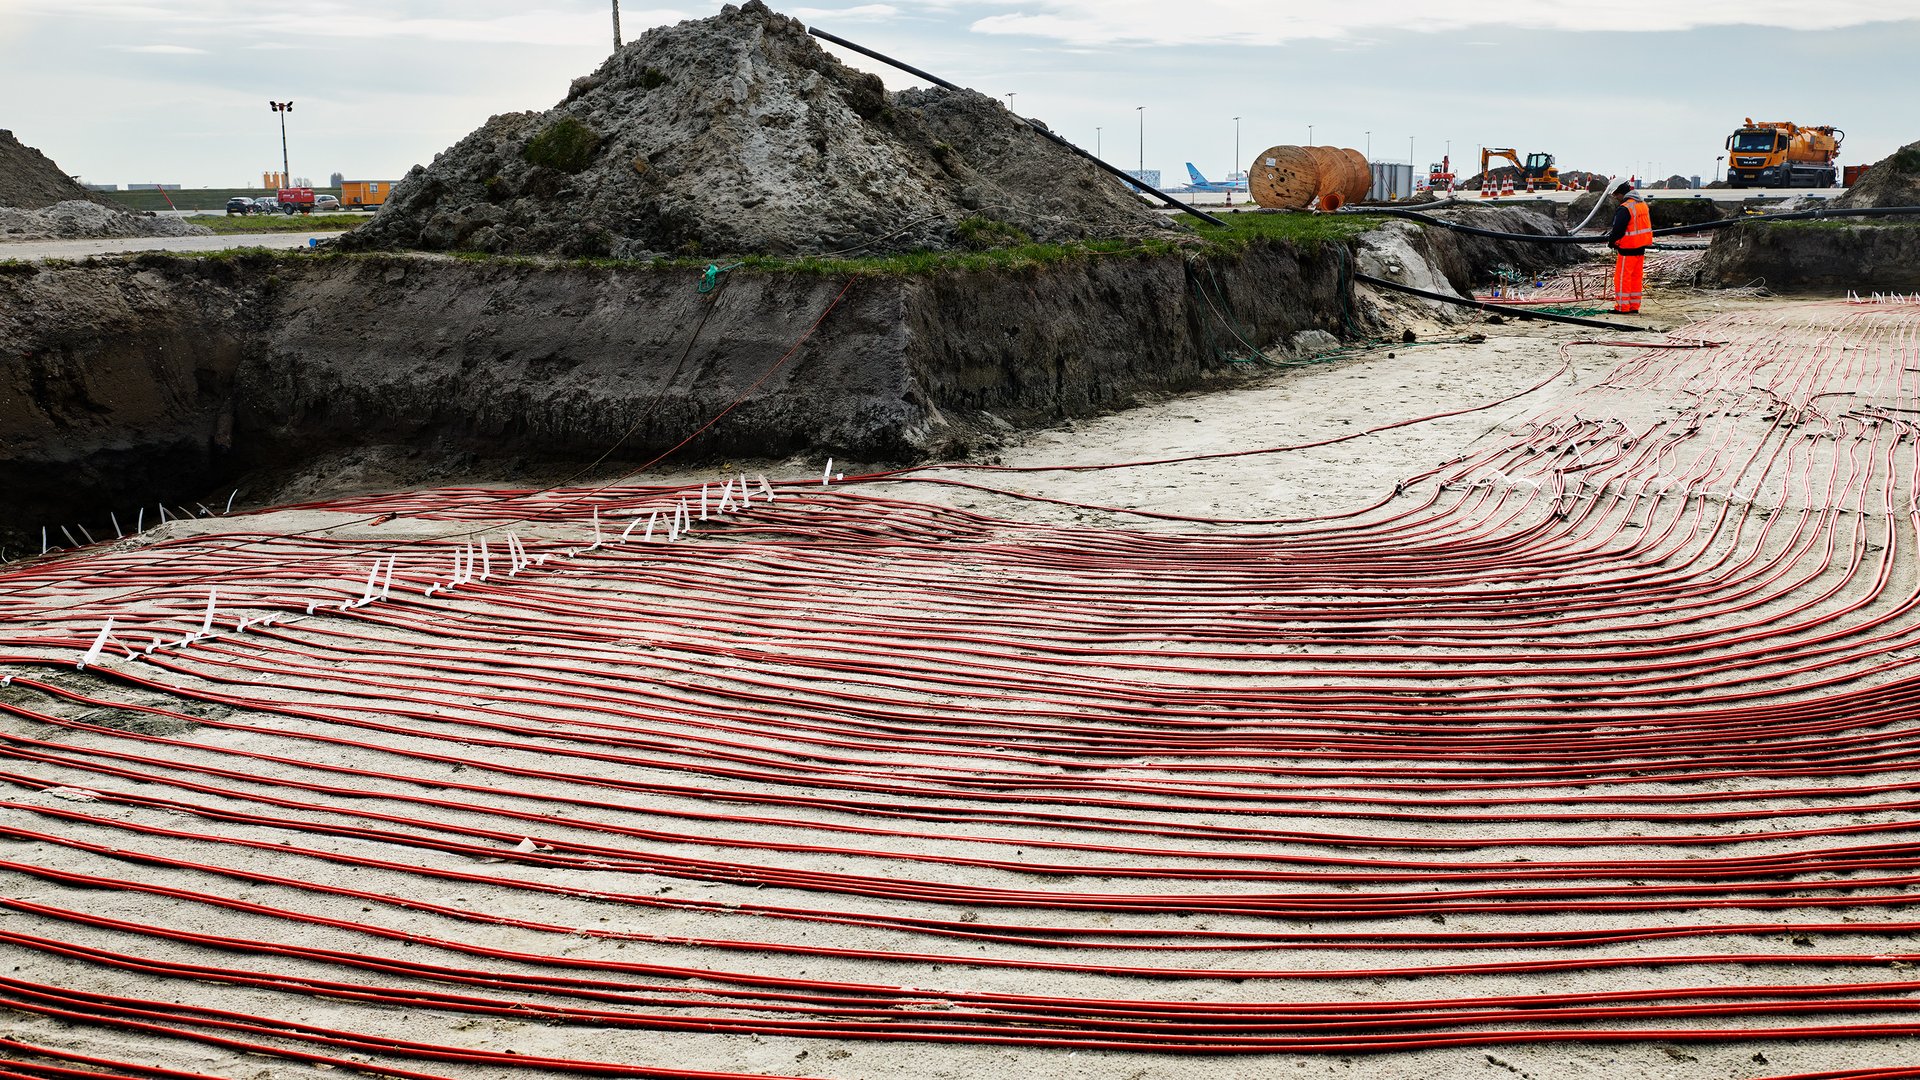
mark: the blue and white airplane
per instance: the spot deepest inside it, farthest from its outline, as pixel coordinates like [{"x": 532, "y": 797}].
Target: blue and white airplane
[{"x": 1201, "y": 183}]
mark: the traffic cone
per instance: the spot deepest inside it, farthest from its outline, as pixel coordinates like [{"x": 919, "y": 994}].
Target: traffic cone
[
  {"x": 1486, "y": 186},
  {"x": 1506, "y": 186}
]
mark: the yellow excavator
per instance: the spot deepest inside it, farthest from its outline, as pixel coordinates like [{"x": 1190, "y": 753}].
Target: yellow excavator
[{"x": 1538, "y": 168}]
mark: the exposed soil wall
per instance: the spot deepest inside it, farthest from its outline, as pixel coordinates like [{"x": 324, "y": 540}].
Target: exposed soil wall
[
  {"x": 161, "y": 378},
  {"x": 1826, "y": 257}
]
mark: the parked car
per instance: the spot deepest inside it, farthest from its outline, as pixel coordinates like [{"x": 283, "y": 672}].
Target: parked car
[
  {"x": 239, "y": 204},
  {"x": 325, "y": 202},
  {"x": 266, "y": 205}
]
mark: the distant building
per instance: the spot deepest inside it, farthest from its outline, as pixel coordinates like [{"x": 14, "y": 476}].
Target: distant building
[
  {"x": 152, "y": 187},
  {"x": 336, "y": 179},
  {"x": 101, "y": 187},
  {"x": 1149, "y": 177}
]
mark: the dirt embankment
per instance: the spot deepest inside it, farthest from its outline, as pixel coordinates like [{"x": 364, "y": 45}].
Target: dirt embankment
[
  {"x": 30, "y": 180},
  {"x": 38, "y": 201},
  {"x": 1827, "y": 257},
  {"x": 164, "y": 378}
]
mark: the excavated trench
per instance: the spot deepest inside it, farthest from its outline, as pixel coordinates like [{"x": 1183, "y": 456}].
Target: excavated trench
[{"x": 161, "y": 379}]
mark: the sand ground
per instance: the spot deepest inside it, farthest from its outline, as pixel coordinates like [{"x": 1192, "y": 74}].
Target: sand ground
[{"x": 698, "y": 733}]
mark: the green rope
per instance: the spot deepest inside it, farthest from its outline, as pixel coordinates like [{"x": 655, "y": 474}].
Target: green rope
[{"x": 710, "y": 280}]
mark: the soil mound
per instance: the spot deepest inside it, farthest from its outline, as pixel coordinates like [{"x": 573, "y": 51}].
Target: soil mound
[
  {"x": 739, "y": 134},
  {"x": 30, "y": 180},
  {"x": 75, "y": 219},
  {"x": 1892, "y": 181}
]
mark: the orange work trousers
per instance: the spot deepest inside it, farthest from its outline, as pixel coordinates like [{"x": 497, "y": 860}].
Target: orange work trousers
[{"x": 1629, "y": 281}]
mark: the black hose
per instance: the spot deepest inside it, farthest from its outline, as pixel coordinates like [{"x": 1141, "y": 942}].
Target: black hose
[
  {"x": 1671, "y": 230},
  {"x": 1517, "y": 313},
  {"x": 1034, "y": 124}
]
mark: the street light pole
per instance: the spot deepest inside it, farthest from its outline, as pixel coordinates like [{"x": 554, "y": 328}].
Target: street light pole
[
  {"x": 1409, "y": 151},
  {"x": 1096, "y": 143},
  {"x": 616, "y": 25},
  {"x": 1142, "y": 110},
  {"x": 286, "y": 171},
  {"x": 1010, "y": 94},
  {"x": 1309, "y": 134},
  {"x": 1369, "y": 146}
]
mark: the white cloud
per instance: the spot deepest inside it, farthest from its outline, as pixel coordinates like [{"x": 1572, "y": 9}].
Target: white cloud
[
  {"x": 1256, "y": 22},
  {"x": 160, "y": 50},
  {"x": 864, "y": 11}
]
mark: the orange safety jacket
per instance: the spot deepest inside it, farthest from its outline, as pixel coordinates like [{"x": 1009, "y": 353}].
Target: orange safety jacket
[{"x": 1639, "y": 234}]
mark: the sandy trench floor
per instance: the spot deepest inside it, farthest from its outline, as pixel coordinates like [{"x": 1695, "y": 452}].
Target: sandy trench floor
[{"x": 952, "y": 751}]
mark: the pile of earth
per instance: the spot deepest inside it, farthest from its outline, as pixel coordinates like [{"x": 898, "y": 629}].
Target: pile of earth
[
  {"x": 77, "y": 219},
  {"x": 31, "y": 180},
  {"x": 1892, "y": 181},
  {"x": 739, "y": 134}
]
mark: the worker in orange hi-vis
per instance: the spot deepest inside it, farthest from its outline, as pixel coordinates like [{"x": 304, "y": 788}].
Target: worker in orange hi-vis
[{"x": 1631, "y": 236}]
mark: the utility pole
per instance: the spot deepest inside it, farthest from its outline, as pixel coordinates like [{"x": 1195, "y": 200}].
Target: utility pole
[
  {"x": 1010, "y": 94},
  {"x": 1096, "y": 142},
  {"x": 1369, "y": 146},
  {"x": 286, "y": 171},
  {"x": 616, "y": 25},
  {"x": 1409, "y": 151},
  {"x": 1309, "y": 134}
]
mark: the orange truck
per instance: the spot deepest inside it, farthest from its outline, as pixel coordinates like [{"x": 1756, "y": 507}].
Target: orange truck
[
  {"x": 1783, "y": 154},
  {"x": 364, "y": 194}
]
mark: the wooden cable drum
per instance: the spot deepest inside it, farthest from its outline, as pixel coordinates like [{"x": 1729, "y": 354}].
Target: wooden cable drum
[
  {"x": 1334, "y": 181},
  {"x": 1284, "y": 178},
  {"x": 1359, "y": 176}
]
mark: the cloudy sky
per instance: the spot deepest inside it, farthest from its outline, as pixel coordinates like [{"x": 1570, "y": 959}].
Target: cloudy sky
[{"x": 123, "y": 91}]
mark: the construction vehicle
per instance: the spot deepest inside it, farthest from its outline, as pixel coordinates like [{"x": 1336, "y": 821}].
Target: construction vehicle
[
  {"x": 1538, "y": 170},
  {"x": 365, "y": 194},
  {"x": 1782, "y": 155},
  {"x": 1440, "y": 176},
  {"x": 295, "y": 200}
]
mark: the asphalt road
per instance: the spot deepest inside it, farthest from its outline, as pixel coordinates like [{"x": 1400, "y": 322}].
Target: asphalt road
[
  {"x": 32, "y": 250},
  {"x": 1734, "y": 195}
]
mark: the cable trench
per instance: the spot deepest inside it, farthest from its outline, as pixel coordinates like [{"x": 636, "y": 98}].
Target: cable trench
[{"x": 1604, "y": 730}]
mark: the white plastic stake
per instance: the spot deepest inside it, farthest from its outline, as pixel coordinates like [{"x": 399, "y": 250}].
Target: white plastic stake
[
  {"x": 486, "y": 560},
  {"x": 115, "y": 518},
  {"x": 373, "y": 576},
  {"x": 206, "y": 624},
  {"x": 827, "y": 473},
  {"x": 650, "y": 522},
  {"x": 71, "y": 542},
  {"x": 140, "y": 520},
  {"x": 703, "y": 501},
  {"x": 84, "y": 532},
  {"x": 766, "y": 488},
  {"x": 98, "y": 644},
  {"x": 386, "y": 587},
  {"x": 628, "y": 531},
  {"x": 230, "y": 498},
  {"x": 43, "y": 539},
  {"x": 596, "y": 528}
]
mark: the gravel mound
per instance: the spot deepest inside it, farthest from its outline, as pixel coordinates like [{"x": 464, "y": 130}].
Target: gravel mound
[
  {"x": 1892, "y": 181},
  {"x": 739, "y": 134},
  {"x": 76, "y": 219},
  {"x": 30, "y": 179}
]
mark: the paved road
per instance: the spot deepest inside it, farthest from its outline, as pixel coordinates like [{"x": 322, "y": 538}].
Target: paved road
[
  {"x": 1734, "y": 195},
  {"x": 79, "y": 249}
]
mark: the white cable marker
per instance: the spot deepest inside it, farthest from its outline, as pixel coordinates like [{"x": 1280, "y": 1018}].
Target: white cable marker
[
  {"x": 650, "y": 522},
  {"x": 115, "y": 518},
  {"x": 163, "y": 512},
  {"x": 766, "y": 488},
  {"x": 673, "y": 531},
  {"x": 71, "y": 542},
  {"x": 703, "y": 500},
  {"x": 206, "y": 624},
  {"x": 43, "y": 539},
  {"x": 140, "y": 520},
  {"x": 386, "y": 587},
  {"x": 486, "y": 560},
  {"x": 827, "y": 473},
  {"x": 373, "y": 577},
  {"x": 99, "y": 643},
  {"x": 230, "y": 498},
  {"x": 597, "y": 541},
  {"x": 685, "y": 517},
  {"x": 628, "y": 531}
]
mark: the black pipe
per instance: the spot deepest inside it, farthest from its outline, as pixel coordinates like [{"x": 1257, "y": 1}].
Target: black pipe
[
  {"x": 1671, "y": 230},
  {"x": 1515, "y": 312},
  {"x": 1034, "y": 124}
]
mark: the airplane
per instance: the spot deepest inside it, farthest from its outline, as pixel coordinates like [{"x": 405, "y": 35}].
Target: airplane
[{"x": 1201, "y": 183}]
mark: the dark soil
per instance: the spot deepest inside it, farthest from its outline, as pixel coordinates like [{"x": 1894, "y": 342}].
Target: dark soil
[{"x": 29, "y": 180}]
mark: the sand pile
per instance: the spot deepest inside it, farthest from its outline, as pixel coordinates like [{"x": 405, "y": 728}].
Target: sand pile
[
  {"x": 1892, "y": 181},
  {"x": 75, "y": 219},
  {"x": 738, "y": 133}
]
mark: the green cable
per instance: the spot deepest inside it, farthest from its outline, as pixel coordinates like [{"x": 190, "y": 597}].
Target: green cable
[{"x": 711, "y": 279}]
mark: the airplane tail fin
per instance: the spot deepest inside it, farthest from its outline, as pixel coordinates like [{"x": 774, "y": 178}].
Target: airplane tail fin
[{"x": 1195, "y": 174}]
